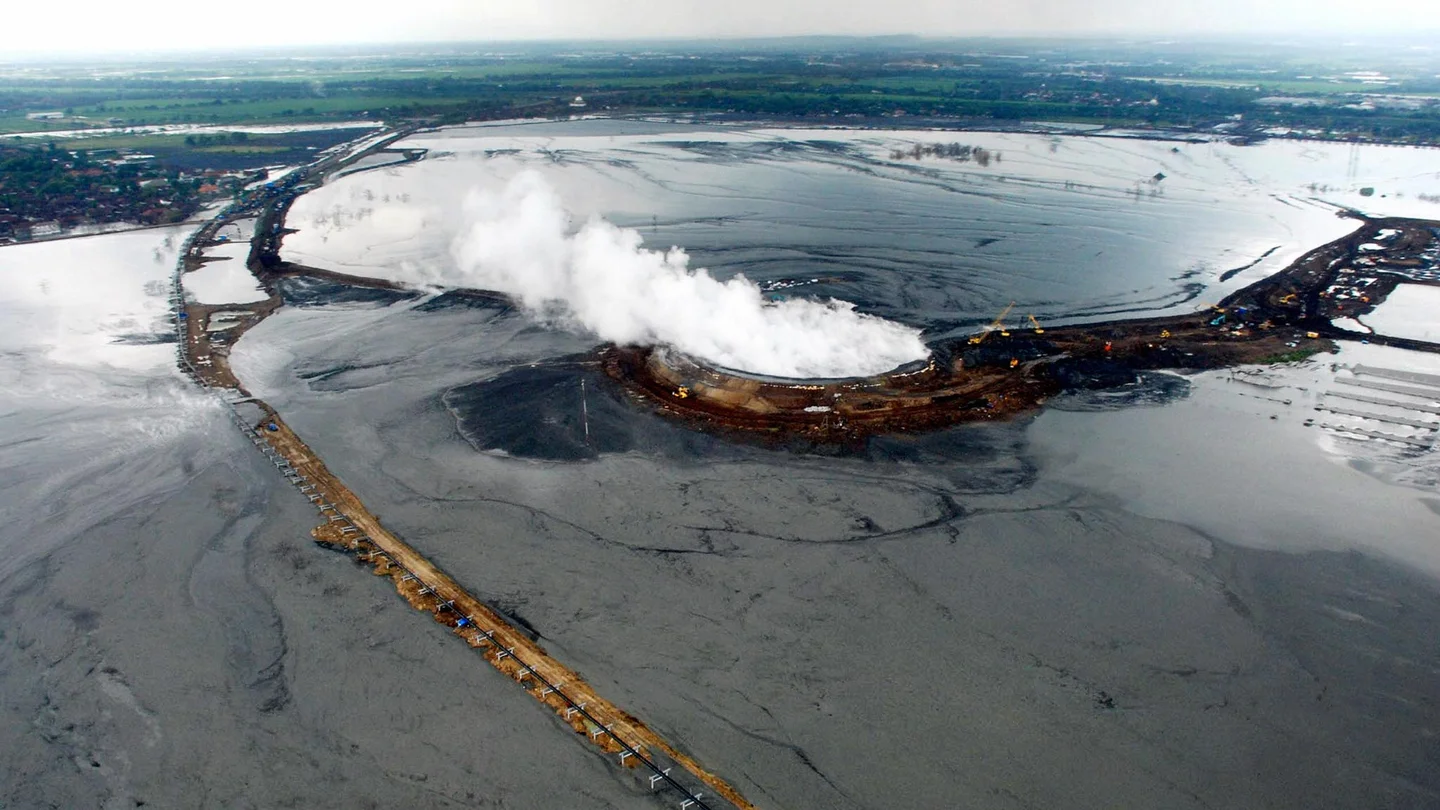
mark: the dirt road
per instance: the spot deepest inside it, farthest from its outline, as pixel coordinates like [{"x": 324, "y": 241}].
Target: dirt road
[{"x": 350, "y": 527}]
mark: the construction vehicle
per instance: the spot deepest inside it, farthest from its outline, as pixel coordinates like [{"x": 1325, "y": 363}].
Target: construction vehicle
[
  {"x": 1164, "y": 333},
  {"x": 682, "y": 392},
  {"x": 1036, "y": 324},
  {"x": 1312, "y": 335},
  {"x": 997, "y": 324}
]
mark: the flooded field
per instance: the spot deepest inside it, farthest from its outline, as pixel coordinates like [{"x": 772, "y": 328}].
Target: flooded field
[
  {"x": 1412, "y": 311},
  {"x": 1070, "y": 228},
  {"x": 169, "y": 634},
  {"x": 224, "y": 279},
  {"x": 95, "y": 412}
]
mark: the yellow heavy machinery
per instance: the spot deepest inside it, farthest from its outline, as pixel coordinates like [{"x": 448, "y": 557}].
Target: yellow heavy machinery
[
  {"x": 997, "y": 324},
  {"x": 1036, "y": 324}
]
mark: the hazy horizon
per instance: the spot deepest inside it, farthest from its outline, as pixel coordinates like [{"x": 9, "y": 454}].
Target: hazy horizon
[
  {"x": 158, "y": 26},
  {"x": 1408, "y": 46}
]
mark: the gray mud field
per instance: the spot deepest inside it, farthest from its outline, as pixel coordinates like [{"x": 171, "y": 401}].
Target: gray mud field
[
  {"x": 1149, "y": 599},
  {"x": 200, "y": 651},
  {"x": 931, "y": 622}
]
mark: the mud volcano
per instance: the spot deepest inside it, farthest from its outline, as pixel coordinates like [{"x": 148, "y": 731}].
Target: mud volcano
[
  {"x": 917, "y": 396},
  {"x": 996, "y": 374}
]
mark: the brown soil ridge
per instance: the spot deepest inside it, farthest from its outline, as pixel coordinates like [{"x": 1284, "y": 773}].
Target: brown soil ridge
[{"x": 349, "y": 526}]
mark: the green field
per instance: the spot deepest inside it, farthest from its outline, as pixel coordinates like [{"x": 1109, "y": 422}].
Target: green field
[
  {"x": 1137, "y": 85},
  {"x": 242, "y": 149},
  {"x": 1299, "y": 87}
]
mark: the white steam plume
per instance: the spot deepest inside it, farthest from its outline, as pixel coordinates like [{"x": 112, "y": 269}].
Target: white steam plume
[{"x": 519, "y": 241}]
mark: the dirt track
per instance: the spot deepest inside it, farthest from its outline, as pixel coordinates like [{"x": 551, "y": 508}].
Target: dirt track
[{"x": 350, "y": 527}]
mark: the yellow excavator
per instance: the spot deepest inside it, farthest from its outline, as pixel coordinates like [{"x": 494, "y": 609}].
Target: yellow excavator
[
  {"x": 997, "y": 324},
  {"x": 1036, "y": 324}
]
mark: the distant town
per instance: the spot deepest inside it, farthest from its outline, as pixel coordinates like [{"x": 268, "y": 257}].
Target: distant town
[{"x": 48, "y": 190}]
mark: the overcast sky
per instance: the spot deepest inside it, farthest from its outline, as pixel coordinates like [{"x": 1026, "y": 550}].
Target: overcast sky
[{"x": 138, "y": 25}]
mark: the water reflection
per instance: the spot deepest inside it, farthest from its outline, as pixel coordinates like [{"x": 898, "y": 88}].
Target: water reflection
[{"x": 1073, "y": 228}]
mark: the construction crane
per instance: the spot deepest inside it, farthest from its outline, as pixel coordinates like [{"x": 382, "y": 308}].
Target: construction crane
[
  {"x": 998, "y": 323},
  {"x": 1036, "y": 324}
]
